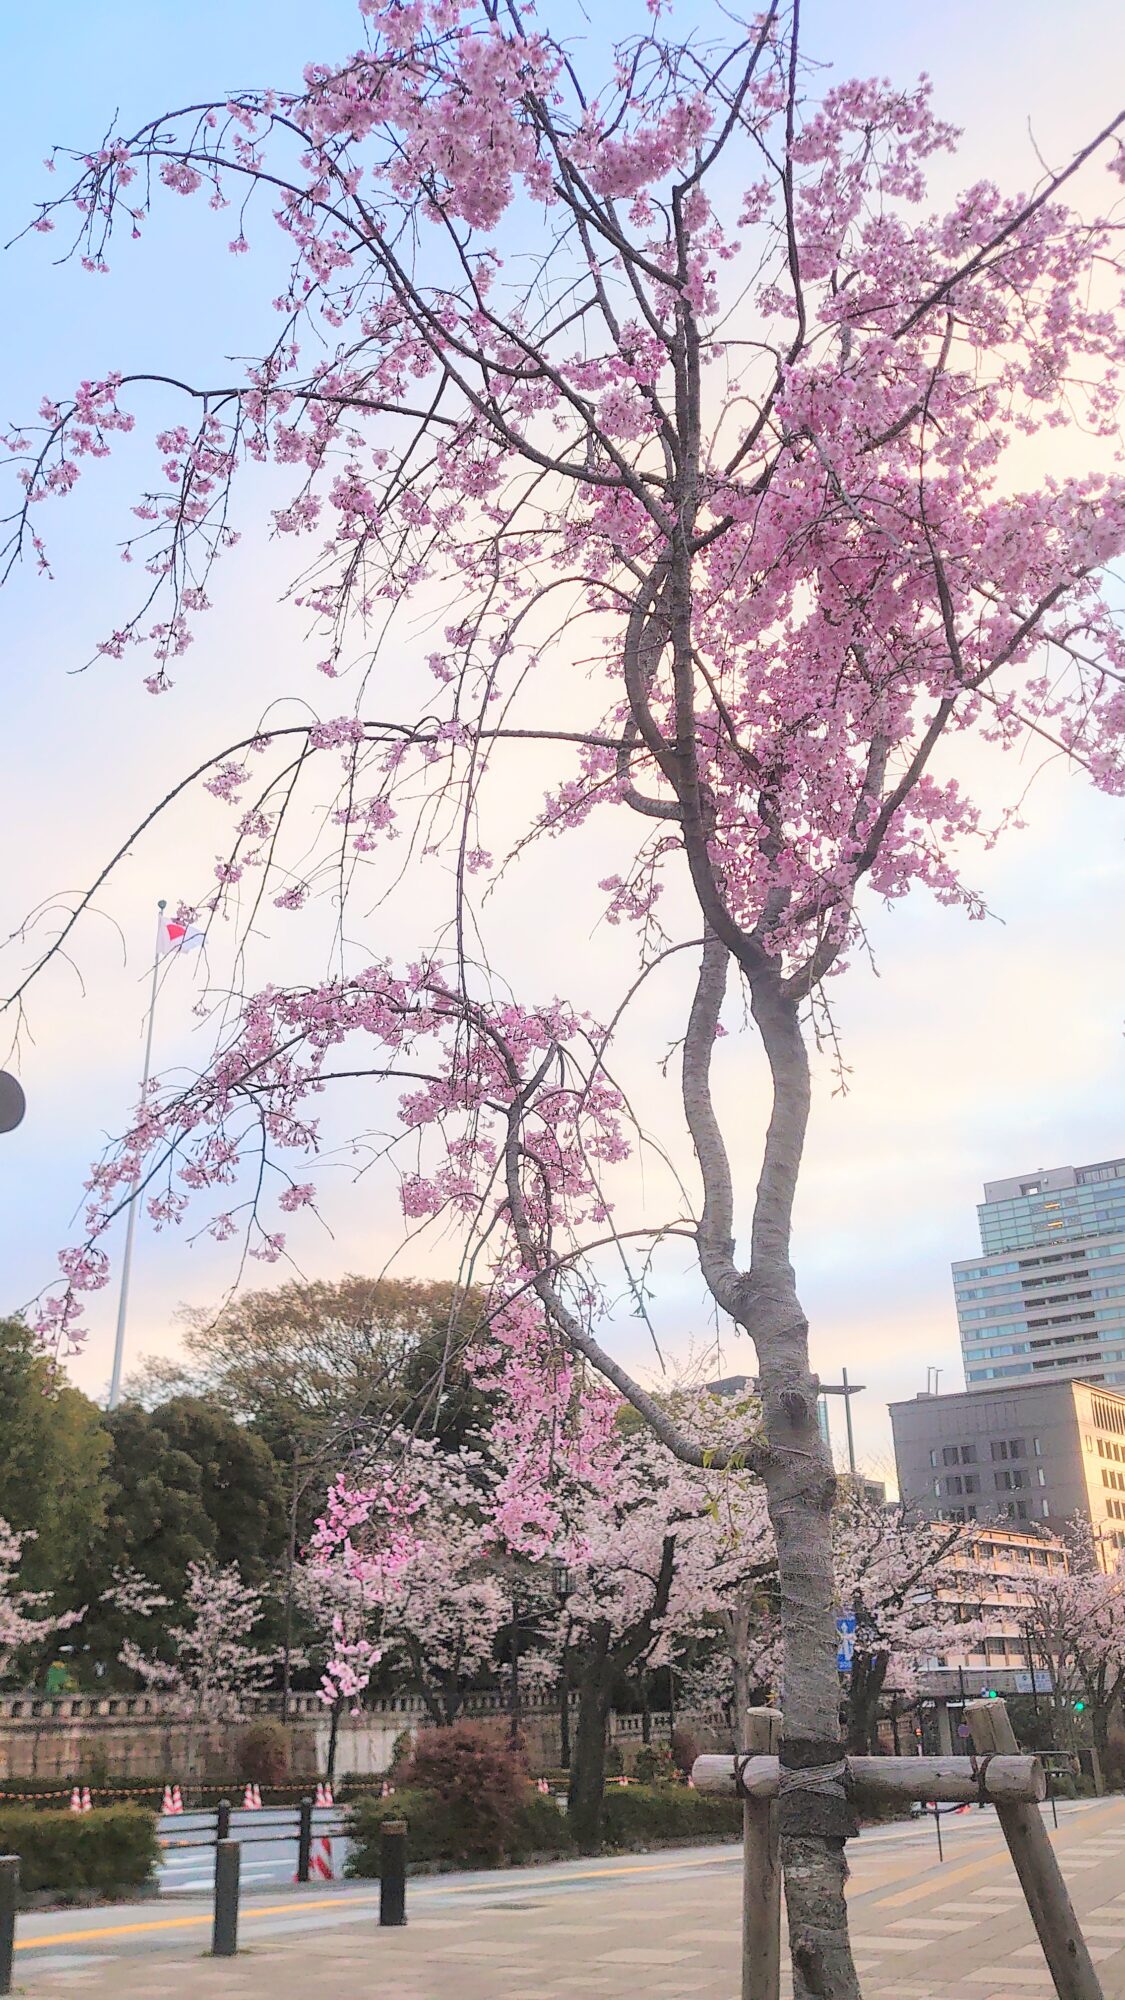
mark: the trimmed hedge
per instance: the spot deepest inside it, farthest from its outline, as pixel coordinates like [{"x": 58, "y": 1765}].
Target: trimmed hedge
[
  {"x": 105, "y": 1850},
  {"x": 538, "y": 1832},
  {"x": 636, "y": 1816}
]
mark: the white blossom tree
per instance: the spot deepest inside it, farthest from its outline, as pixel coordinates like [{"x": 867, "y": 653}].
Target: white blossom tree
[
  {"x": 25, "y": 1617},
  {"x": 214, "y": 1665},
  {"x": 904, "y": 1579},
  {"x": 1075, "y": 1622}
]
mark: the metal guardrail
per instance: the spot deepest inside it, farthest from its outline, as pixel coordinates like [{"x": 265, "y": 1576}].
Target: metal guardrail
[
  {"x": 266, "y": 1824},
  {"x": 228, "y": 1857}
]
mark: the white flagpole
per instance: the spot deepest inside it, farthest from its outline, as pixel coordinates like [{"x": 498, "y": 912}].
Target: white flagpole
[{"x": 131, "y": 1224}]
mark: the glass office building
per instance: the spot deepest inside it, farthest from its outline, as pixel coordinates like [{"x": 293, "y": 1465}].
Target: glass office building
[{"x": 1045, "y": 1300}]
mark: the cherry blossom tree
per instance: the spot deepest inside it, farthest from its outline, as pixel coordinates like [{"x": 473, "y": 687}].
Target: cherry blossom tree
[
  {"x": 413, "y": 1586},
  {"x": 658, "y": 370},
  {"x": 214, "y": 1666},
  {"x": 25, "y": 1618},
  {"x": 1075, "y": 1623},
  {"x": 908, "y": 1582}
]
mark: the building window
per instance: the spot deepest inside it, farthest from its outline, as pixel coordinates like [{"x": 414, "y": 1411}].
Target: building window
[
  {"x": 999, "y": 1448},
  {"x": 953, "y": 1486},
  {"x": 1041, "y": 1476},
  {"x": 1016, "y": 1448},
  {"x": 1037, "y": 1447},
  {"x": 1046, "y": 1511},
  {"x": 972, "y": 1483},
  {"x": 933, "y": 1458},
  {"x": 949, "y": 1454},
  {"x": 968, "y": 1454}
]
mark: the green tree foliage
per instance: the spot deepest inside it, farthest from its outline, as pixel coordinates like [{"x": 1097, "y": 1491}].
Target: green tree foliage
[
  {"x": 54, "y": 1457},
  {"x": 348, "y": 1357},
  {"x": 187, "y": 1483}
]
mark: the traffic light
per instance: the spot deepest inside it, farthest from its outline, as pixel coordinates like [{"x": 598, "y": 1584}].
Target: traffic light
[
  {"x": 992, "y": 1694},
  {"x": 1078, "y": 1707}
]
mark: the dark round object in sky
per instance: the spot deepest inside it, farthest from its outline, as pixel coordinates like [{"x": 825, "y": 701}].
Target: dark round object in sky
[{"x": 13, "y": 1103}]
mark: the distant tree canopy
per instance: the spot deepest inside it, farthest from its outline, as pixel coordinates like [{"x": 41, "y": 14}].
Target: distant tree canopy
[
  {"x": 186, "y": 1483},
  {"x": 54, "y": 1458},
  {"x": 309, "y": 1362},
  {"x": 216, "y": 1458}
]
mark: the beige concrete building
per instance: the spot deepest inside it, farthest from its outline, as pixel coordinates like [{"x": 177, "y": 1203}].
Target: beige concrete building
[{"x": 1033, "y": 1453}]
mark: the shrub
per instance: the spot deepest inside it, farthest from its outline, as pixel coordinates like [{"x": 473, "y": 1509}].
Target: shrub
[
  {"x": 106, "y": 1850},
  {"x": 480, "y": 1781},
  {"x": 653, "y": 1764},
  {"x": 537, "y": 1829},
  {"x": 402, "y": 1750},
  {"x": 636, "y": 1814},
  {"x": 685, "y": 1750},
  {"x": 263, "y": 1753}
]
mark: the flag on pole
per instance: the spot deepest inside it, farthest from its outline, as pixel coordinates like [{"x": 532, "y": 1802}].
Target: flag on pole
[{"x": 175, "y": 936}]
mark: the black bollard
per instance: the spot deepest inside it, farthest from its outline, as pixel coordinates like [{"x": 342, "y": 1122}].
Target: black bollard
[
  {"x": 224, "y": 1933},
  {"x": 9, "y": 1890},
  {"x": 392, "y": 1872},
  {"x": 222, "y": 1820},
  {"x": 304, "y": 1840}
]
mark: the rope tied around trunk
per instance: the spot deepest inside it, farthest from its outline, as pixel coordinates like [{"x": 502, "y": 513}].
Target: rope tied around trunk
[
  {"x": 818, "y": 1778},
  {"x": 814, "y": 1795},
  {"x": 980, "y": 1773}
]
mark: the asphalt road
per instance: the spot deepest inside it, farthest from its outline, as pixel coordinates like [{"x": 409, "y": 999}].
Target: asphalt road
[{"x": 268, "y": 1840}]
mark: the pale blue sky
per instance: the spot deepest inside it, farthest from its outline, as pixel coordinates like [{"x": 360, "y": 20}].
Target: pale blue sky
[{"x": 978, "y": 1051}]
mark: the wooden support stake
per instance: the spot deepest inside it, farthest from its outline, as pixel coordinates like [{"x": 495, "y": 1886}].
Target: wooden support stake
[
  {"x": 761, "y": 1870},
  {"x": 1064, "y": 1947},
  {"x": 1012, "y": 1780}
]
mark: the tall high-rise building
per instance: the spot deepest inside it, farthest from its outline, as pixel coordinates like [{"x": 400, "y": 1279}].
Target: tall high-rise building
[{"x": 1045, "y": 1301}]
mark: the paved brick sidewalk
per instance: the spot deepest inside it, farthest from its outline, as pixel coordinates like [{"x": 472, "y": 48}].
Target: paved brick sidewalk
[{"x": 667, "y": 1932}]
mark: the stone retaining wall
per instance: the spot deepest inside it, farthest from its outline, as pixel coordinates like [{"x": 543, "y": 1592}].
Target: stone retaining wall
[{"x": 113, "y": 1739}]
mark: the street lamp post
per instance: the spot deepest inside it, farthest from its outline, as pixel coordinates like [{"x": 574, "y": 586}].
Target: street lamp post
[{"x": 847, "y": 1390}]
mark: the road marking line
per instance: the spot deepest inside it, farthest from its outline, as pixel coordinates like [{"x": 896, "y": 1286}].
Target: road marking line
[
  {"x": 353, "y": 1902},
  {"x": 938, "y": 1882},
  {"x": 50, "y": 1939}
]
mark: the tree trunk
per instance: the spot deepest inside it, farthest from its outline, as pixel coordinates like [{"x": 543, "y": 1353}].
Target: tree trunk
[
  {"x": 869, "y": 1672},
  {"x": 333, "y": 1738},
  {"x": 587, "y": 1769},
  {"x": 814, "y": 1815}
]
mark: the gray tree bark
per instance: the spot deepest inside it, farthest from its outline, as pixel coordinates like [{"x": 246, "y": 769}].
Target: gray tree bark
[{"x": 814, "y": 1815}]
